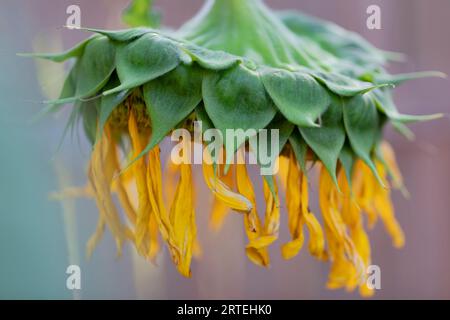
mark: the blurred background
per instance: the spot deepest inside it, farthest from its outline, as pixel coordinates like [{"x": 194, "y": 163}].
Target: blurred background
[{"x": 39, "y": 238}]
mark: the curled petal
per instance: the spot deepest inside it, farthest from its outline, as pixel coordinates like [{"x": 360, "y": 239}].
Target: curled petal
[
  {"x": 100, "y": 180},
  {"x": 232, "y": 199},
  {"x": 183, "y": 220},
  {"x": 139, "y": 171},
  {"x": 219, "y": 209},
  {"x": 257, "y": 254}
]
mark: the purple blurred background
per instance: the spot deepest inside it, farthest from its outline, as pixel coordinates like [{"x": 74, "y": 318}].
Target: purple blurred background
[{"x": 418, "y": 28}]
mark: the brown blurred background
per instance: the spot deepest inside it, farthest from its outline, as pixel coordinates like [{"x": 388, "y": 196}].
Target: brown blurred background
[{"x": 418, "y": 28}]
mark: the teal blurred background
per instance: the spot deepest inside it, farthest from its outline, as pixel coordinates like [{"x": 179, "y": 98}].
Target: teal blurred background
[{"x": 39, "y": 238}]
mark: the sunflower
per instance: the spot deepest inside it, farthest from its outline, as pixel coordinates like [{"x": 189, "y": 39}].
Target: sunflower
[{"x": 239, "y": 65}]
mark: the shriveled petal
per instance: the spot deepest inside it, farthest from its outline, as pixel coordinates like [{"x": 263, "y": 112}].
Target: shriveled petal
[
  {"x": 232, "y": 199},
  {"x": 155, "y": 194},
  {"x": 383, "y": 205},
  {"x": 291, "y": 249},
  {"x": 272, "y": 217},
  {"x": 253, "y": 228},
  {"x": 391, "y": 162},
  {"x": 139, "y": 170},
  {"x": 219, "y": 209},
  {"x": 183, "y": 220},
  {"x": 100, "y": 180},
  {"x": 95, "y": 238},
  {"x": 119, "y": 186}
]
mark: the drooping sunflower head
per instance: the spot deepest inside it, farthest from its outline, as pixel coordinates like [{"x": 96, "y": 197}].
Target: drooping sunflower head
[{"x": 236, "y": 66}]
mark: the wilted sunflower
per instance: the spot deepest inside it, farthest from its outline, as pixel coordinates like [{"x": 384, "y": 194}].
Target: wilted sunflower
[{"x": 239, "y": 65}]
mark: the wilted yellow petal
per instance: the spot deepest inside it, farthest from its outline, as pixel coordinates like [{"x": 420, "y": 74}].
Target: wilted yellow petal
[
  {"x": 353, "y": 218},
  {"x": 316, "y": 237},
  {"x": 262, "y": 241},
  {"x": 73, "y": 192},
  {"x": 95, "y": 238},
  {"x": 347, "y": 269},
  {"x": 120, "y": 185},
  {"x": 383, "y": 205},
  {"x": 155, "y": 194},
  {"x": 232, "y": 199},
  {"x": 252, "y": 222},
  {"x": 154, "y": 247},
  {"x": 283, "y": 172},
  {"x": 100, "y": 180},
  {"x": 391, "y": 162},
  {"x": 182, "y": 218},
  {"x": 292, "y": 248},
  {"x": 272, "y": 217},
  {"x": 139, "y": 171},
  {"x": 293, "y": 199},
  {"x": 260, "y": 257},
  {"x": 375, "y": 200},
  {"x": 219, "y": 209},
  {"x": 170, "y": 181}
]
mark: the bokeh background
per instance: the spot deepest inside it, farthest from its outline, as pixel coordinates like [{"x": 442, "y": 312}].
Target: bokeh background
[{"x": 39, "y": 238}]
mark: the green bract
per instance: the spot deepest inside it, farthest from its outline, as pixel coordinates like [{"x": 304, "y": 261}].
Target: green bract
[{"x": 238, "y": 65}]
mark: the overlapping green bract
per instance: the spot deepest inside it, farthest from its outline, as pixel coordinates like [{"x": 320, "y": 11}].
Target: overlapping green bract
[{"x": 337, "y": 111}]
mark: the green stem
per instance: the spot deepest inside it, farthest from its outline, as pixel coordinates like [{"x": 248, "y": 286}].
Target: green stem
[
  {"x": 233, "y": 5},
  {"x": 245, "y": 28}
]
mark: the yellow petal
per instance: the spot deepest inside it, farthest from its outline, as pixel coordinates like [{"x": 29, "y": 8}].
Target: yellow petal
[
  {"x": 73, "y": 192},
  {"x": 232, "y": 199},
  {"x": 366, "y": 292},
  {"x": 252, "y": 223},
  {"x": 183, "y": 220},
  {"x": 155, "y": 193},
  {"x": 100, "y": 180},
  {"x": 260, "y": 257},
  {"x": 95, "y": 238},
  {"x": 316, "y": 237},
  {"x": 139, "y": 171},
  {"x": 170, "y": 181},
  {"x": 219, "y": 209},
  {"x": 347, "y": 268},
  {"x": 389, "y": 157},
  {"x": 154, "y": 247},
  {"x": 262, "y": 241},
  {"x": 272, "y": 217},
  {"x": 283, "y": 173},
  {"x": 383, "y": 205},
  {"x": 121, "y": 190},
  {"x": 294, "y": 197},
  {"x": 292, "y": 248}
]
